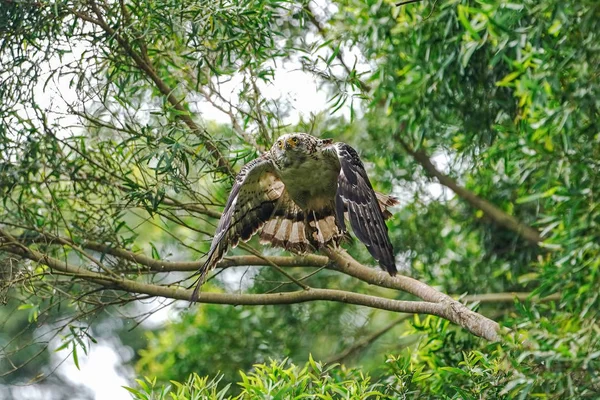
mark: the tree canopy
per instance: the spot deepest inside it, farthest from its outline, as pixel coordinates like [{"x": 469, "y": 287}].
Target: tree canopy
[{"x": 480, "y": 116}]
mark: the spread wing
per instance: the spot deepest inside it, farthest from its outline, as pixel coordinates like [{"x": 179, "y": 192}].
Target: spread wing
[
  {"x": 252, "y": 201},
  {"x": 365, "y": 211}
]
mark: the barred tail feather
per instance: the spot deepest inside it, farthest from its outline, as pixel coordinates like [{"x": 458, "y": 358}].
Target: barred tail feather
[
  {"x": 286, "y": 233},
  {"x": 295, "y": 233},
  {"x": 325, "y": 230}
]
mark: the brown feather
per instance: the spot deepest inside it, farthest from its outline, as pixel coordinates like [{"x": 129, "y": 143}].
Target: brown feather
[{"x": 385, "y": 202}]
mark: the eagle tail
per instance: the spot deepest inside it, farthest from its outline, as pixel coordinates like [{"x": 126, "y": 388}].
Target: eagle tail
[
  {"x": 323, "y": 228},
  {"x": 294, "y": 230},
  {"x": 286, "y": 232},
  {"x": 300, "y": 232}
]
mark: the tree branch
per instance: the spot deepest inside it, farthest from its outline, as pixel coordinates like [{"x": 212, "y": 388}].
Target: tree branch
[
  {"x": 145, "y": 65},
  {"x": 366, "y": 341},
  {"x": 369, "y": 275},
  {"x": 453, "y": 310},
  {"x": 490, "y": 210},
  {"x": 435, "y": 302},
  {"x": 339, "y": 55},
  {"x": 177, "y": 293}
]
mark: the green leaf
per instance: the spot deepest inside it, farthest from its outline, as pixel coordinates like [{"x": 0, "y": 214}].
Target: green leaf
[
  {"x": 75, "y": 357},
  {"x": 537, "y": 196},
  {"x": 506, "y": 81},
  {"x": 455, "y": 370},
  {"x": 463, "y": 17}
]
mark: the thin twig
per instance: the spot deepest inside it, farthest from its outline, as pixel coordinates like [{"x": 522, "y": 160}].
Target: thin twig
[
  {"x": 403, "y": 3},
  {"x": 366, "y": 341},
  {"x": 277, "y": 267}
]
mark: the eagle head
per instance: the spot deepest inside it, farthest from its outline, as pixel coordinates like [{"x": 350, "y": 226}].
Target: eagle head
[{"x": 293, "y": 148}]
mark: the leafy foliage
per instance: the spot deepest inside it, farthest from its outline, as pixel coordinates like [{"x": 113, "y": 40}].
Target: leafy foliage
[
  {"x": 431, "y": 369},
  {"x": 278, "y": 380}
]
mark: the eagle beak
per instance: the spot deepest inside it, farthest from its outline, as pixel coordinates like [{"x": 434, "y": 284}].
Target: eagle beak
[{"x": 289, "y": 144}]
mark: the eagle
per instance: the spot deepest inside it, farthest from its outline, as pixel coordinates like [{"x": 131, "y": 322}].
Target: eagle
[{"x": 301, "y": 193}]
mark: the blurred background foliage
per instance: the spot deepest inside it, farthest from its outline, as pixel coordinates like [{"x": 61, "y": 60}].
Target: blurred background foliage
[{"x": 502, "y": 96}]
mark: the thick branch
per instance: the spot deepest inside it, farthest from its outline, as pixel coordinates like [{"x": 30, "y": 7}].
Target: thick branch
[
  {"x": 369, "y": 275},
  {"x": 454, "y": 311},
  {"x": 442, "y": 304},
  {"x": 436, "y": 303},
  {"x": 229, "y": 298},
  {"x": 346, "y": 264},
  {"x": 490, "y": 210}
]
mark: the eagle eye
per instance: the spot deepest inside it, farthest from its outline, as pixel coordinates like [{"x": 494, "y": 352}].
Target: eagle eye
[
  {"x": 280, "y": 144},
  {"x": 295, "y": 140}
]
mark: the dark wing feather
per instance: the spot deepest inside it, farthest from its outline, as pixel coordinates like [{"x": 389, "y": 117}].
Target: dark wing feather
[
  {"x": 356, "y": 196},
  {"x": 252, "y": 201}
]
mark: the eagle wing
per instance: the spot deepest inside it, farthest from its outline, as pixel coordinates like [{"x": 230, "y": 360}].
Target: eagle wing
[
  {"x": 253, "y": 200},
  {"x": 366, "y": 209}
]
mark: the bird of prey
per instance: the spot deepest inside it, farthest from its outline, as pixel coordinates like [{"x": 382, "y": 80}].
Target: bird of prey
[{"x": 301, "y": 192}]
